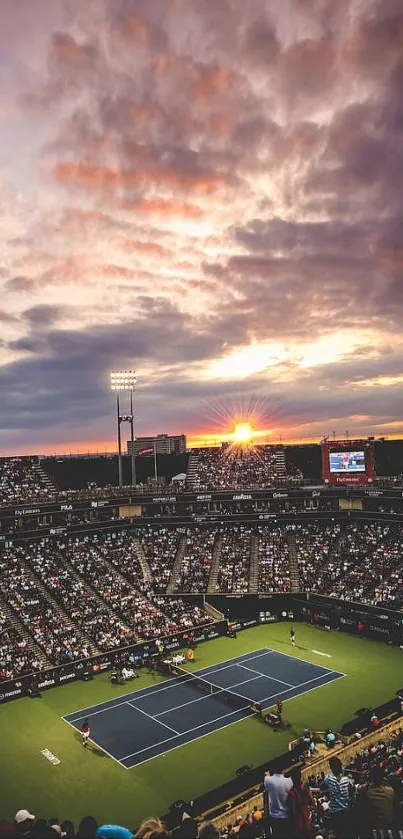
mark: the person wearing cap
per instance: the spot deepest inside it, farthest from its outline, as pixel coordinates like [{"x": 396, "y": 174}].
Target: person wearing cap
[{"x": 24, "y": 822}]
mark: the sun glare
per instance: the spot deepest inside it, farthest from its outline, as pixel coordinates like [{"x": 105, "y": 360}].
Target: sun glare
[{"x": 242, "y": 433}]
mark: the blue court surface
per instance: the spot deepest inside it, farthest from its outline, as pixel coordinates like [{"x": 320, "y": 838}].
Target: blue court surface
[{"x": 148, "y": 723}]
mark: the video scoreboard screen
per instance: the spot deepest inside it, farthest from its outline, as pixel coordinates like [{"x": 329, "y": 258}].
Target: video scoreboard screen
[{"x": 346, "y": 462}]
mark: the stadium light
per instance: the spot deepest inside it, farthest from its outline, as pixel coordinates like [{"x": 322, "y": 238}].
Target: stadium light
[{"x": 124, "y": 380}]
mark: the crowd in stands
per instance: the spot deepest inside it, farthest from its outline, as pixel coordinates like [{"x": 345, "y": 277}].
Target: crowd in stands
[
  {"x": 239, "y": 468},
  {"x": 22, "y": 480},
  {"x": 234, "y": 570},
  {"x": 182, "y": 615},
  {"x": 103, "y": 601},
  {"x": 107, "y": 600},
  {"x": 95, "y": 619},
  {"x": 358, "y": 561},
  {"x": 160, "y": 545},
  {"x": 315, "y": 542},
  {"x": 48, "y": 627},
  {"x": 16, "y": 656},
  {"x": 158, "y": 616},
  {"x": 364, "y": 796},
  {"x": 197, "y": 559},
  {"x": 274, "y": 563},
  {"x": 26, "y": 824}
]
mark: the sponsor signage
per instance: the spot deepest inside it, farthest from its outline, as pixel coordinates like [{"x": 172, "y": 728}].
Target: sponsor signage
[
  {"x": 47, "y": 683},
  {"x": 242, "y": 497},
  {"x": 27, "y": 511},
  {"x": 10, "y": 694},
  {"x": 13, "y": 689},
  {"x": 50, "y": 756},
  {"x": 203, "y": 497},
  {"x": 66, "y": 677},
  {"x": 162, "y": 499}
]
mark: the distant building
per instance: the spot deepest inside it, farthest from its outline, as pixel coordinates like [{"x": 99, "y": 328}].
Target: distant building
[{"x": 163, "y": 443}]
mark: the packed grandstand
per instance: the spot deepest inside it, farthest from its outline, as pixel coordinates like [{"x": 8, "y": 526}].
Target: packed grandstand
[{"x": 81, "y": 584}]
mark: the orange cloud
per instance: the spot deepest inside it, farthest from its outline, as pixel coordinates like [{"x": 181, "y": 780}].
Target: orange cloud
[
  {"x": 164, "y": 207},
  {"x": 211, "y": 82},
  {"x": 146, "y": 248},
  {"x": 88, "y": 175}
]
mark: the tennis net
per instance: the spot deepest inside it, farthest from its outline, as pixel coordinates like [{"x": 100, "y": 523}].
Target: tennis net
[{"x": 235, "y": 700}]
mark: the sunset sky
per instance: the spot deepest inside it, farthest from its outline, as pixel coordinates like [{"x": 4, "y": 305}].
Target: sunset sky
[{"x": 211, "y": 192}]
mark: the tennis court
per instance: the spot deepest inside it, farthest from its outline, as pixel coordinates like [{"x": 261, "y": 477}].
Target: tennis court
[{"x": 145, "y": 724}]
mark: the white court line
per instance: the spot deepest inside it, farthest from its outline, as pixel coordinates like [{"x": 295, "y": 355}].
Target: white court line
[
  {"x": 207, "y": 734},
  {"x": 265, "y": 676},
  {"x": 212, "y": 695},
  {"x": 109, "y": 708},
  {"x": 214, "y": 669},
  {"x": 308, "y": 682},
  {"x": 197, "y": 727},
  {"x": 97, "y": 745},
  {"x": 152, "y": 718},
  {"x": 238, "y": 711},
  {"x": 304, "y": 661},
  {"x": 153, "y": 689}
]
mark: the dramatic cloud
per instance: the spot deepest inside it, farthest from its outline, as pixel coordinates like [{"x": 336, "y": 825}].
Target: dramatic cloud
[{"x": 210, "y": 193}]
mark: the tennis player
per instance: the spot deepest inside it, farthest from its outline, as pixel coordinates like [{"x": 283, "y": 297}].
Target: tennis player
[
  {"x": 85, "y": 731},
  {"x": 292, "y": 636}
]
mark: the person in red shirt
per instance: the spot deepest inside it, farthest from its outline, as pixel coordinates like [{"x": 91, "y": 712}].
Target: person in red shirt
[{"x": 279, "y": 703}]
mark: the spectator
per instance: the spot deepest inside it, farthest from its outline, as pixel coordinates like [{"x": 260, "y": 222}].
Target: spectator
[
  {"x": 299, "y": 801},
  {"x": 86, "y": 828},
  {"x": 378, "y": 802},
  {"x": 187, "y": 829},
  {"x": 24, "y": 822},
  {"x": 330, "y": 738},
  {"x": 113, "y": 831},
  {"x": 207, "y": 830},
  {"x": 152, "y": 829},
  {"x": 67, "y": 828},
  {"x": 278, "y": 788},
  {"x": 341, "y": 798}
]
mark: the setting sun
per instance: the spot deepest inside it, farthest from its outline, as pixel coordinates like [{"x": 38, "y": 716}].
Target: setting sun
[{"x": 243, "y": 433}]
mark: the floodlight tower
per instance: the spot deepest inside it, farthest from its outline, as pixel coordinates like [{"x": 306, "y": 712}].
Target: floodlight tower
[{"x": 124, "y": 380}]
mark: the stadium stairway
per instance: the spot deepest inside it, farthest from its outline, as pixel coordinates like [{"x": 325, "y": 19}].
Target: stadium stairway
[
  {"x": 254, "y": 564},
  {"x": 215, "y": 565},
  {"x": 175, "y": 575},
  {"x": 43, "y": 478},
  {"x": 148, "y": 577},
  {"x": 192, "y": 469},
  {"x": 22, "y": 632},
  {"x": 293, "y": 557},
  {"x": 58, "y": 609}
]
